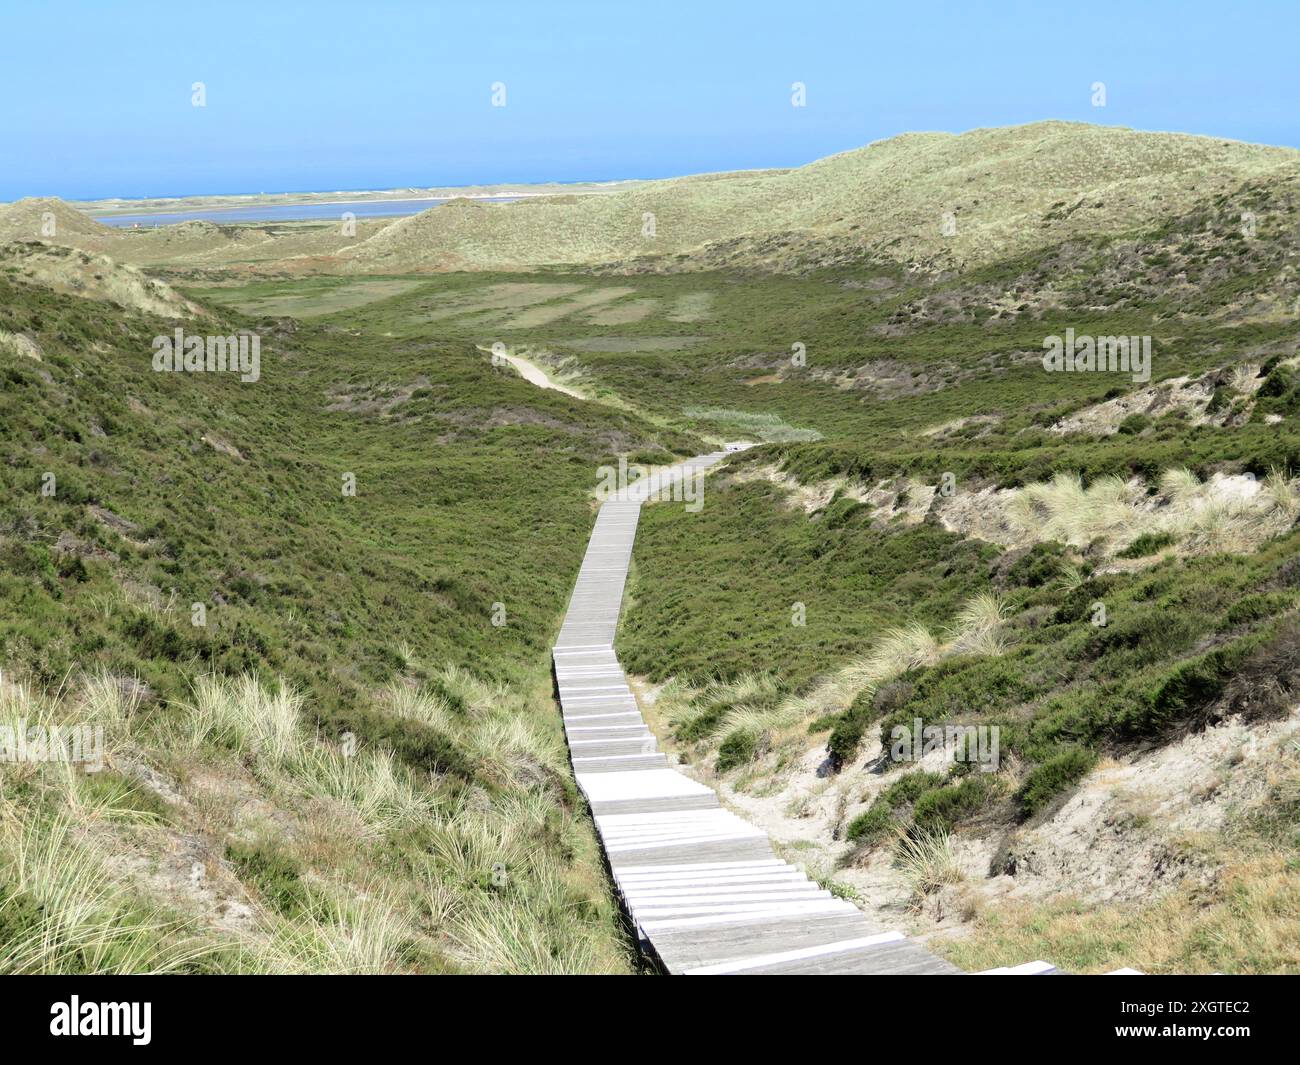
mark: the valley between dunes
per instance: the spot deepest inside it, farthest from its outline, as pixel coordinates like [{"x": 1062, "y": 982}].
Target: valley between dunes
[{"x": 311, "y": 614}]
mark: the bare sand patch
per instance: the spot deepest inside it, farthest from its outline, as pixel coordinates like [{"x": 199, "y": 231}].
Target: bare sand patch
[
  {"x": 533, "y": 372},
  {"x": 957, "y": 424},
  {"x": 1176, "y": 394},
  {"x": 623, "y": 313},
  {"x": 1135, "y": 829},
  {"x": 809, "y": 498},
  {"x": 506, "y": 296},
  {"x": 20, "y": 344},
  {"x": 337, "y": 298},
  {"x": 553, "y": 312},
  {"x": 631, "y": 343},
  {"x": 1227, "y": 512},
  {"x": 692, "y": 307}
]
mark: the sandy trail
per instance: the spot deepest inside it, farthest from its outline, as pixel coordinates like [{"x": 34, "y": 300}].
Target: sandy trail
[{"x": 534, "y": 374}]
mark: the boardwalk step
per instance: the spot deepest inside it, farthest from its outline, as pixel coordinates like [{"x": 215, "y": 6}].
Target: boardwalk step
[{"x": 702, "y": 885}]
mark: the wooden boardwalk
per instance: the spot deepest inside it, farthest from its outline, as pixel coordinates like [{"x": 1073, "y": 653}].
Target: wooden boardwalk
[{"x": 704, "y": 888}]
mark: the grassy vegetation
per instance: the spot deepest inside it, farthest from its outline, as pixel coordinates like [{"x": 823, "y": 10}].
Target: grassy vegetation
[
  {"x": 1185, "y": 641},
  {"x": 1198, "y": 590},
  {"x": 717, "y": 594},
  {"x": 373, "y": 769},
  {"x": 327, "y": 622},
  {"x": 1242, "y": 921},
  {"x": 1036, "y": 185}
]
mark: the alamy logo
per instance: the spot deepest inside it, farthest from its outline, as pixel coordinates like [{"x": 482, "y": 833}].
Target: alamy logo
[
  {"x": 979, "y": 744},
  {"x": 103, "y": 1018},
  {"x": 678, "y": 485},
  {"x": 240, "y": 354},
  {"x": 81, "y": 745},
  {"x": 1085, "y": 354}
]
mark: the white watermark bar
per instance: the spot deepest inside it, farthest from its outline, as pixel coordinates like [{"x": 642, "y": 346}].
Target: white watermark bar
[
  {"x": 1108, "y": 354},
  {"x": 646, "y": 484},
  {"x": 241, "y": 354},
  {"x": 73, "y": 744},
  {"x": 979, "y": 744}
]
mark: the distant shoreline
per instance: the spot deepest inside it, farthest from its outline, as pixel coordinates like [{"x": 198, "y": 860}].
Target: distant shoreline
[{"x": 242, "y": 201}]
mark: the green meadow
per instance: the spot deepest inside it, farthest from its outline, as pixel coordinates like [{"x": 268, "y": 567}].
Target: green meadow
[{"x": 370, "y": 548}]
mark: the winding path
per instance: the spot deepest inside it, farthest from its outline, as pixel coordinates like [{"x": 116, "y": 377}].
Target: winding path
[{"x": 704, "y": 888}]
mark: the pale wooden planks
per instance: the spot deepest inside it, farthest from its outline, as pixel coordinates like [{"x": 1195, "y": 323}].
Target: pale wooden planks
[{"x": 706, "y": 892}]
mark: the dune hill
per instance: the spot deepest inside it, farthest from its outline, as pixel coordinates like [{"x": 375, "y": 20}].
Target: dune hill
[
  {"x": 934, "y": 200},
  {"x": 189, "y": 245},
  {"x": 1007, "y": 191},
  {"x": 49, "y": 219},
  {"x": 98, "y": 277}
]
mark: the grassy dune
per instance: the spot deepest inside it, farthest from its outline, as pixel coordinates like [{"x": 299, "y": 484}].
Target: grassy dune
[
  {"x": 1006, "y": 191},
  {"x": 348, "y": 765},
  {"x": 888, "y": 199},
  {"x": 298, "y": 782}
]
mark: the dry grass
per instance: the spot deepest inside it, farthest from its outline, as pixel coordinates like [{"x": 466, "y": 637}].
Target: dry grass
[
  {"x": 753, "y": 706},
  {"x": 1246, "y": 379},
  {"x": 499, "y": 850},
  {"x": 1063, "y": 509},
  {"x": 418, "y": 704},
  {"x": 1207, "y": 521},
  {"x": 928, "y": 862},
  {"x": 382, "y": 793},
  {"x": 62, "y": 911},
  {"x": 976, "y": 630},
  {"x": 95, "y": 277},
  {"x": 20, "y": 345},
  {"x": 396, "y": 871},
  {"x": 892, "y": 192},
  {"x": 251, "y": 719},
  {"x": 1219, "y": 515},
  {"x": 1246, "y": 921},
  {"x": 364, "y": 935}
]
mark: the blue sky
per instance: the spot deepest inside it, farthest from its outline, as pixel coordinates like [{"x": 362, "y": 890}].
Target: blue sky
[{"x": 95, "y": 98}]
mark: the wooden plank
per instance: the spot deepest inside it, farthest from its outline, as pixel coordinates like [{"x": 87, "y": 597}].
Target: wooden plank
[{"x": 703, "y": 885}]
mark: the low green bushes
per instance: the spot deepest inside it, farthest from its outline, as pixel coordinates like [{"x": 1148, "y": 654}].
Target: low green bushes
[
  {"x": 736, "y": 749},
  {"x": 1146, "y": 544},
  {"x": 1048, "y": 780}
]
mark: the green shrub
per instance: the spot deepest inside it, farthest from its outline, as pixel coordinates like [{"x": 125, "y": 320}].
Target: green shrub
[
  {"x": 1139, "y": 635},
  {"x": 944, "y": 807},
  {"x": 419, "y": 745},
  {"x": 962, "y": 685},
  {"x": 872, "y": 824},
  {"x": 1183, "y": 691},
  {"x": 154, "y": 639},
  {"x": 1042, "y": 563},
  {"x": 1221, "y": 398},
  {"x": 850, "y": 727},
  {"x": 1077, "y": 604},
  {"x": 276, "y": 875},
  {"x": 1051, "y": 778},
  {"x": 736, "y": 749},
  {"x": 1253, "y": 608},
  {"x": 842, "y": 511},
  {"x": 1279, "y": 381},
  {"x": 1147, "y": 544},
  {"x": 912, "y": 786},
  {"x": 449, "y": 695}
]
